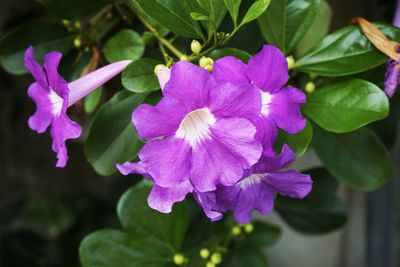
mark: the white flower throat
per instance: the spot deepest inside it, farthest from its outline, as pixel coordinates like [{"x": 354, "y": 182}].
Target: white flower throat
[
  {"x": 266, "y": 99},
  {"x": 195, "y": 126},
  {"x": 56, "y": 101},
  {"x": 248, "y": 181}
]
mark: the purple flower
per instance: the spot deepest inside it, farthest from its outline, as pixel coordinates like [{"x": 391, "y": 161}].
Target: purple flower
[
  {"x": 392, "y": 77},
  {"x": 53, "y": 95},
  {"x": 206, "y": 130},
  {"x": 258, "y": 187},
  {"x": 267, "y": 71}
]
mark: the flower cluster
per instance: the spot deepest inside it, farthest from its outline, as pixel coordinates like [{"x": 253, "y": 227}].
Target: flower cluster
[{"x": 212, "y": 135}]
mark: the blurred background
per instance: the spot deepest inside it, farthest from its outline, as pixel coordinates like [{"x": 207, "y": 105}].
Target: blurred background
[{"x": 45, "y": 211}]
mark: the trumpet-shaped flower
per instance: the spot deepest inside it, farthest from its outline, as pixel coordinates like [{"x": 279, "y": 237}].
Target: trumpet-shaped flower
[
  {"x": 267, "y": 71},
  {"x": 199, "y": 131},
  {"x": 53, "y": 95}
]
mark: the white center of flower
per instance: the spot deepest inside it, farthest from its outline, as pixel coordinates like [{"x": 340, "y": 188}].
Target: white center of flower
[
  {"x": 252, "y": 179},
  {"x": 195, "y": 126},
  {"x": 56, "y": 101},
  {"x": 266, "y": 99}
]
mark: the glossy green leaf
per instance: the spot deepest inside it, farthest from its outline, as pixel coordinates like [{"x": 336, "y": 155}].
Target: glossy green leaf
[
  {"x": 233, "y": 8},
  {"x": 112, "y": 136},
  {"x": 346, "y": 105},
  {"x": 74, "y": 9},
  {"x": 198, "y": 16},
  {"x": 255, "y": 10},
  {"x": 286, "y": 22},
  {"x": 358, "y": 159},
  {"x": 125, "y": 45},
  {"x": 298, "y": 142},
  {"x": 164, "y": 231},
  {"x": 173, "y": 15},
  {"x": 239, "y": 54},
  {"x": 139, "y": 76},
  {"x": 264, "y": 234},
  {"x": 91, "y": 101},
  {"x": 319, "y": 212},
  {"x": 44, "y": 36},
  {"x": 345, "y": 51},
  {"x": 318, "y": 30},
  {"x": 245, "y": 254}
]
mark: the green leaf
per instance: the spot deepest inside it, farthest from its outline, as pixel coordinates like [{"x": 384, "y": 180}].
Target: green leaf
[
  {"x": 346, "y": 105},
  {"x": 298, "y": 142},
  {"x": 91, "y": 101},
  {"x": 346, "y": 51},
  {"x": 139, "y": 76},
  {"x": 126, "y": 44},
  {"x": 264, "y": 234},
  {"x": 245, "y": 255},
  {"x": 164, "y": 231},
  {"x": 255, "y": 10},
  {"x": 44, "y": 36},
  {"x": 358, "y": 159},
  {"x": 286, "y": 22},
  {"x": 318, "y": 30},
  {"x": 112, "y": 136},
  {"x": 198, "y": 16},
  {"x": 233, "y": 8},
  {"x": 173, "y": 15},
  {"x": 239, "y": 54},
  {"x": 74, "y": 9},
  {"x": 319, "y": 212}
]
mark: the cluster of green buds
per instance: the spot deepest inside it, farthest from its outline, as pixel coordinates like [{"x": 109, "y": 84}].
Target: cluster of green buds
[
  {"x": 239, "y": 228},
  {"x": 206, "y": 63},
  {"x": 74, "y": 27},
  {"x": 213, "y": 259}
]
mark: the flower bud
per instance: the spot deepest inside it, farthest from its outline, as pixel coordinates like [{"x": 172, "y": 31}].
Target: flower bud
[
  {"x": 248, "y": 228},
  {"x": 78, "y": 25},
  {"x": 204, "y": 253},
  {"x": 179, "y": 259},
  {"x": 66, "y": 22},
  {"x": 163, "y": 74},
  {"x": 236, "y": 230},
  {"x": 313, "y": 76},
  {"x": 195, "y": 46},
  {"x": 216, "y": 258},
  {"x": 210, "y": 264},
  {"x": 310, "y": 87},
  {"x": 290, "y": 62},
  {"x": 206, "y": 63},
  {"x": 77, "y": 42}
]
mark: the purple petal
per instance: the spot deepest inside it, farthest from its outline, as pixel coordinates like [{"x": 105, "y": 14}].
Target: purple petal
[
  {"x": 131, "y": 167},
  {"x": 268, "y": 69},
  {"x": 266, "y": 134},
  {"x": 163, "y": 75},
  {"x": 230, "y": 69},
  {"x": 44, "y": 108},
  {"x": 206, "y": 201},
  {"x": 56, "y": 82},
  {"x": 229, "y": 100},
  {"x": 88, "y": 83},
  {"x": 285, "y": 109},
  {"x": 162, "y": 198},
  {"x": 273, "y": 164},
  {"x": 62, "y": 129},
  {"x": 34, "y": 68},
  {"x": 290, "y": 183},
  {"x": 166, "y": 160},
  {"x": 392, "y": 77},
  {"x": 161, "y": 120},
  {"x": 190, "y": 84}
]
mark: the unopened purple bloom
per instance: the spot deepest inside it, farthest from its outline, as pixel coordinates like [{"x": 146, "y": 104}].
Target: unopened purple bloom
[
  {"x": 53, "y": 95},
  {"x": 392, "y": 77},
  {"x": 258, "y": 187},
  {"x": 207, "y": 130},
  {"x": 267, "y": 71}
]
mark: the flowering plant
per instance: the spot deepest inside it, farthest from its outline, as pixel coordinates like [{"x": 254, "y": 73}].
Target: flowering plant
[{"x": 217, "y": 99}]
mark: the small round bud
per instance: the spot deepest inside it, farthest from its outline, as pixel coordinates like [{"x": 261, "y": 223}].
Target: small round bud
[
  {"x": 216, "y": 258},
  {"x": 87, "y": 49},
  {"x": 313, "y": 76},
  {"x": 204, "y": 253},
  {"x": 310, "y": 87},
  {"x": 77, "y": 42},
  {"x": 158, "y": 67},
  {"x": 206, "y": 63},
  {"x": 184, "y": 58},
  {"x": 78, "y": 25},
  {"x": 236, "y": 230},
  {"x": 66, "y": 22},
  {"x": 179, "y": 259},
  {"x": 248, "y": 228},
  {"x": 195, "y": 46},
  {"x": 290, "y": 62},
  {"x": 70, "y": 29},
  {"x": 210, "y": 264}
]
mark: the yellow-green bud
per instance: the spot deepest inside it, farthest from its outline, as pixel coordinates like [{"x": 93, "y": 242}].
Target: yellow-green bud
[
  {"x": 77, "y": 42},
  {"x": 206, "y": 63},
  {"x": 310, "y": 87},
  {"x": 184, "y": 58},
  {"x": 290, "y": 62},
  {"x": 216, "y": 258},
  {"x": 236, "y": 230},
  {"x": 179, "y": 259},
  {"x": 87, "y": 49},
  {"x": 313, "y": 76},
  {"x": 156, "y": 69},
  {"x": 66, "y": 22},
  {"x": 210, "y": 264},
  {"x": 204, "y": 253},
  {"x": 248, "y": 228},
  {"x": 78, "y": 25},
  {"x": 195, "y": 46}
]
